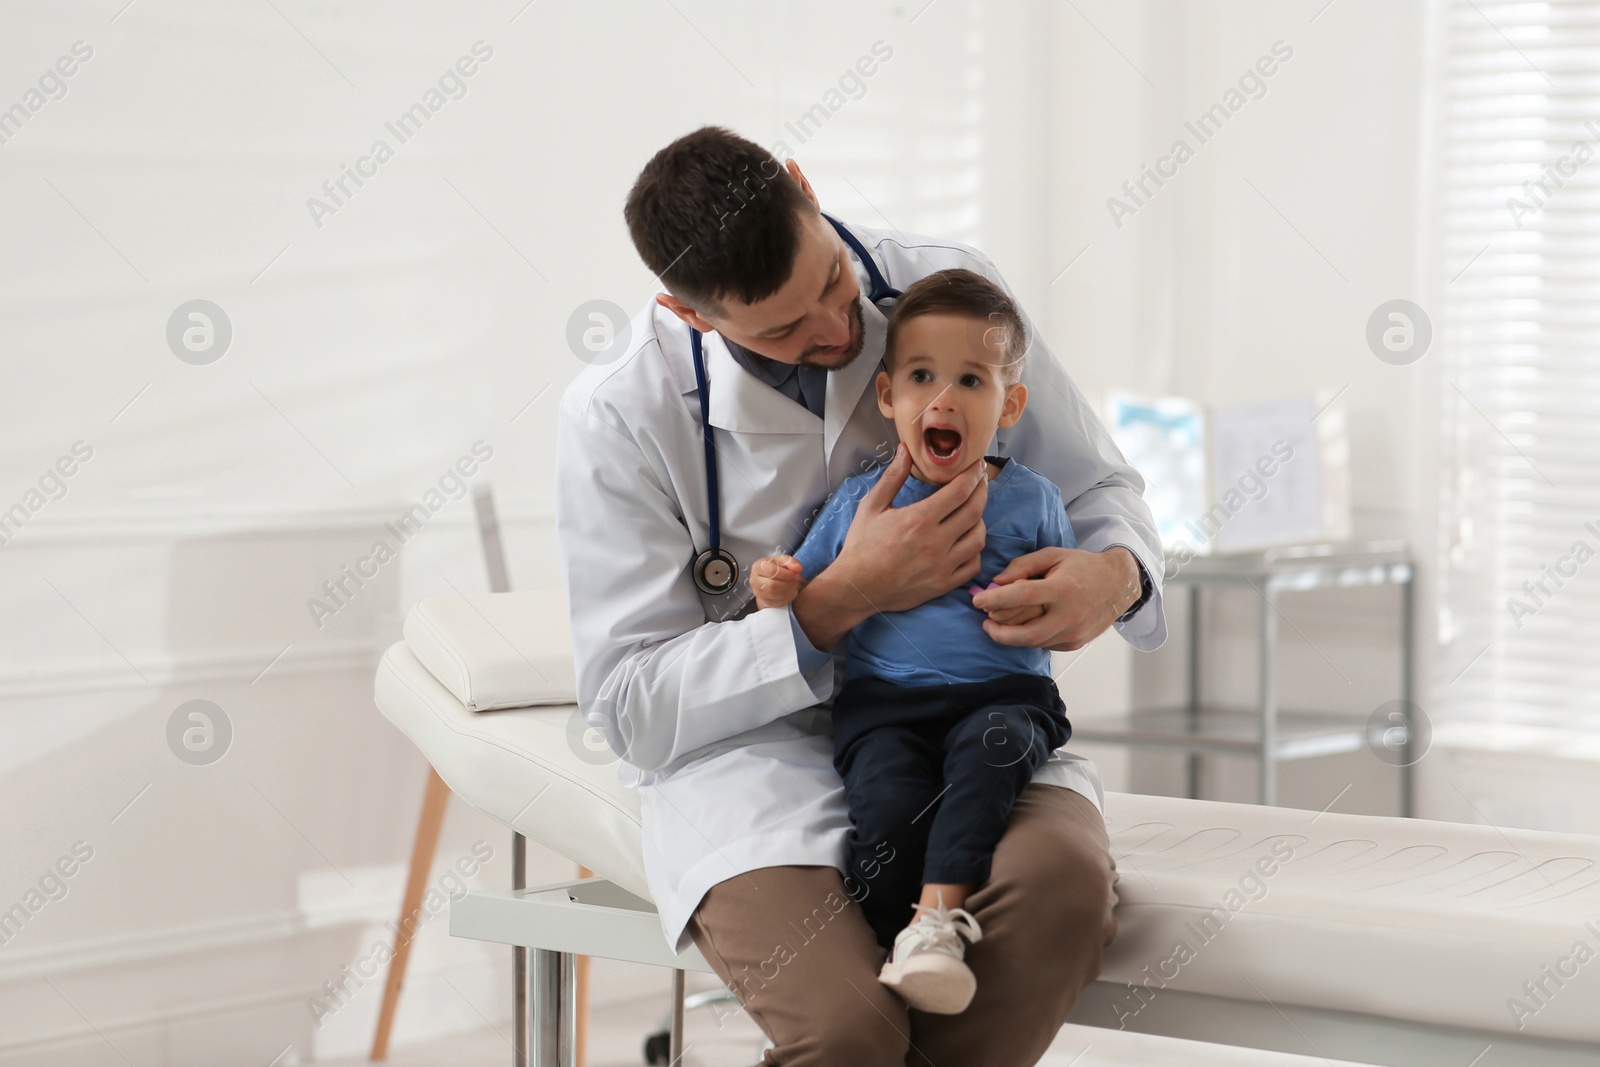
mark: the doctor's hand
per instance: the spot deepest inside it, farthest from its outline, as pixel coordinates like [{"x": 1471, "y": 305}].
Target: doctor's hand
[
  {"x": 896, "y": 558},
  {"x": 775, "y": 580},
  {"x": 899, "y": 558},
  {"x": 1011, "y": 616},
  {"x": 1077, "y": 594}
]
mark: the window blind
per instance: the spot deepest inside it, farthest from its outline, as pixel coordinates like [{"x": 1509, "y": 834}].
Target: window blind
[{"x": 1519, "y": 591}]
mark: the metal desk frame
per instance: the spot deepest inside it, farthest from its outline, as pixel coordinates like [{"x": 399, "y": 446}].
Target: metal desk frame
[
  {"x": 1271, "y": 574},
  {"x": 551, "y": 926}
]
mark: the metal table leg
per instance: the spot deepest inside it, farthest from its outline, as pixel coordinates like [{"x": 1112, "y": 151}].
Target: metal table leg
[
  {"x": 545, "y": 988},
  {"x": 554, "y": 1004},
  {"x": 1409, "y": 757},
  {"x": 1269, "y": 695},
  {"x": 1193, "y": 760},
  {"x": 675, "y": 1031},
  {"x": 520, "y": 1030}
]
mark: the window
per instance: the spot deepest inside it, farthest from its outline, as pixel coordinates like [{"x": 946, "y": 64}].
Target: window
[{"x": 1519, "y": 607}]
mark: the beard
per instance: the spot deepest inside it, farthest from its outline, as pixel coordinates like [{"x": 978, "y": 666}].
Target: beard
[{"x": 812, "y": 357}]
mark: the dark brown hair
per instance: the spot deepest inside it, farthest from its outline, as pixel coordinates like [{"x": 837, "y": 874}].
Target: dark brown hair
[
  {"x": 715, "y": 215},
  {"x": 964, "y": 292}
]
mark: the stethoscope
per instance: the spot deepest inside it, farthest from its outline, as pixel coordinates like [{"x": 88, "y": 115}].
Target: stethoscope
[{"x": 715, "y": 570}]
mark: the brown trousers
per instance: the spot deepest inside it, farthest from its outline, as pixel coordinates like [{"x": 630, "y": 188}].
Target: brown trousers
[{"x": 794, "y": 947}]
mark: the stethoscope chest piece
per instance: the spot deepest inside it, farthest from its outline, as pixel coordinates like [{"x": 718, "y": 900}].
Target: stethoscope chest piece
[{"x": 716, "y": 571}]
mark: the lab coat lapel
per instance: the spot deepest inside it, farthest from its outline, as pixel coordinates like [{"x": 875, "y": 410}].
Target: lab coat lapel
[{"x": 742, "y": 403}]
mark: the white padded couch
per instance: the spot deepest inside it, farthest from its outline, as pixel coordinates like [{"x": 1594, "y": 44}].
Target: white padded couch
[{"x": 1373, "y": 939}]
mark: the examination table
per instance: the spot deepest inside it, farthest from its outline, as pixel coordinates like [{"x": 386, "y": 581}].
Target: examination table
[{"x": 1300, "y": 935}]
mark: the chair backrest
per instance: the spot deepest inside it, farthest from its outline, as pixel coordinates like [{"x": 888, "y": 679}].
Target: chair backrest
[{"x": 494, "y": 553}]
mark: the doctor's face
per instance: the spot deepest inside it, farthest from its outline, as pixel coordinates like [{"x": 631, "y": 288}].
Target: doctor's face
[
  {"x": 815, "y": 319},
  {"x": 947, "y": 392}
]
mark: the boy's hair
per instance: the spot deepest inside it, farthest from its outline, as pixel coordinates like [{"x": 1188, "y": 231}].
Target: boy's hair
[
  {"x": 963, "y": 292},
  {"x": 713, "y": 214}
]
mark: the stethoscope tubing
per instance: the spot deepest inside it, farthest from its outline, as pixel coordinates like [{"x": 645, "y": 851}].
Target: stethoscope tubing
[{"x": 880, "y": 290}]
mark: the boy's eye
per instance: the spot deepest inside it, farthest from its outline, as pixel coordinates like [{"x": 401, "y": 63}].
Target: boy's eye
[
  {"x": 921, "y": 376},
  {"x": 971, "y": 380}
]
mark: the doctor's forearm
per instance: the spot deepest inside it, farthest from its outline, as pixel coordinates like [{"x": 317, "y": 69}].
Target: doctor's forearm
[{"x": 829, "y": 607}]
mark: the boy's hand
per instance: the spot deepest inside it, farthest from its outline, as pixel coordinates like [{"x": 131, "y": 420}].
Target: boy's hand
[
  {"x": 1016, "y": 616},
  {"x": 775, "y": 580},
  {"x": 1008, "y": 616}
]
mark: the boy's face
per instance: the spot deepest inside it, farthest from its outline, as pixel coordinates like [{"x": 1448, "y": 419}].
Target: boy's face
[{"x": 947, "y": 393}]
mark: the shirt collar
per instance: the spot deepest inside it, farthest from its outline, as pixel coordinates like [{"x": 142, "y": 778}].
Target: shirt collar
[
  {"x": 770, "y": 371},
  {"x": 916, "y": 489}
]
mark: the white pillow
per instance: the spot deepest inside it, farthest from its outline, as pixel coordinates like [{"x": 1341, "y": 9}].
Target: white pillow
[{"x": 496, "y": 650}]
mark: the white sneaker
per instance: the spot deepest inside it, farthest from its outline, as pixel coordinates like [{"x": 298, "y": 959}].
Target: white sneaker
[{"x": 927, "y": 965}]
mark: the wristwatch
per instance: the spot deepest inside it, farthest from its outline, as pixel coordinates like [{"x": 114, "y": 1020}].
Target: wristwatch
[{"x": 1146, "y": 589}]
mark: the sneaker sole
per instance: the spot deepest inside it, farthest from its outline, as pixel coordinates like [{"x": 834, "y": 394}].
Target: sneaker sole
[{"x": 927, "y": 985}]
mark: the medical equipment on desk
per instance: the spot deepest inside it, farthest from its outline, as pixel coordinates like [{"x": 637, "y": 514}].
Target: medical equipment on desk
[{"x": 716, "y": 570}]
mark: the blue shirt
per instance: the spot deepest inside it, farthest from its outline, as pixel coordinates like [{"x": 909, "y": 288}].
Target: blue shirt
[{"x": 942, "y": 641}]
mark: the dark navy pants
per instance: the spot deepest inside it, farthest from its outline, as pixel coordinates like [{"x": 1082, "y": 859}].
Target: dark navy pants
[{"x": 930, "y": 774}]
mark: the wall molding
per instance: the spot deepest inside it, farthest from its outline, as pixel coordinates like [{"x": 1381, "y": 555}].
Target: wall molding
[
  {"x": 149, "y": 1020},
  {"x": 147, "y": 946},
  {"x": 267, "y": 929},
  {"x": 113, "y": 674},
  {"x": 167, "y": 523}
]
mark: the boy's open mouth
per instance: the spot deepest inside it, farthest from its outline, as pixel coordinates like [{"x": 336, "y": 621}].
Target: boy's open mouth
[{"x": 943, "y": 443}]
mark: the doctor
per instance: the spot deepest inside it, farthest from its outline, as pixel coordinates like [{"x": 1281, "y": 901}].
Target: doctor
[{"x": 707, "y": 438}]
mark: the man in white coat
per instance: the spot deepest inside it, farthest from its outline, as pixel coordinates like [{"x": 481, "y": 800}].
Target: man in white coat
[{"x": 718, "y": 710}]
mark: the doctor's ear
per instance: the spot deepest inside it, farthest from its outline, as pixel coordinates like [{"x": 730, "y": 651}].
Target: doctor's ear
[
  {"x": 885, "y": 395},
  {"x": 800, "y": 179},
  {"x": 688, "y": 314}
]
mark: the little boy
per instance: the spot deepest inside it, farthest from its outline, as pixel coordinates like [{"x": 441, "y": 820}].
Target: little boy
[{"x": 938, "y": 727}]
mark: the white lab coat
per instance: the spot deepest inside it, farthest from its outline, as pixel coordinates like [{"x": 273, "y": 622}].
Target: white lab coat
[{"x": 702, "y": 696}]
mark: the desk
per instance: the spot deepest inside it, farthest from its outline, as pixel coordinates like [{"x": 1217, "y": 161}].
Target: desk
[{"x": 1270, "y": 735}]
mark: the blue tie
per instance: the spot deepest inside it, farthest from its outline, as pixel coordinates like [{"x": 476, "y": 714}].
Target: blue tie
[
  {"x": 806, "y": 386},
  {"x": 814, "y": 389}
]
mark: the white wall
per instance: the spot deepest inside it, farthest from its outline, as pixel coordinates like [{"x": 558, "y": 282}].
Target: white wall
[{"x": 1249, "y": 276}]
